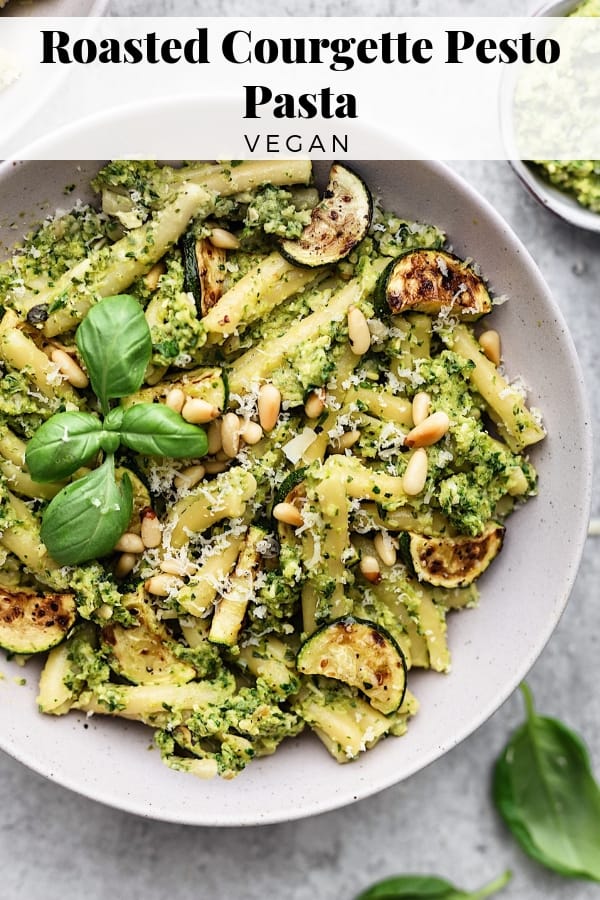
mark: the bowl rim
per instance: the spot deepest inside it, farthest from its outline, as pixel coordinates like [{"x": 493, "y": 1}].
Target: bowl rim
[{"x": 368, "y": 787}]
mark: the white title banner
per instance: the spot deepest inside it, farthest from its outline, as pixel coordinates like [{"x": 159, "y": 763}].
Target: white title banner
[{"x": 484, "y": 88}]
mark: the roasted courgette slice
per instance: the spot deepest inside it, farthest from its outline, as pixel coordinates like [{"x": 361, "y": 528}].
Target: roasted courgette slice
[
  {"x": 291, "y": 487},
  {"x": 203, "y": 271},
  {"x": 429, "y": 281},
  {"x": 142, "y": 654},
  {"x": 360, "y": 654},
  {"x": 338, "y": 223},
  {"x": 451, "y": 562},
  {"x": 32, "y": 622}
]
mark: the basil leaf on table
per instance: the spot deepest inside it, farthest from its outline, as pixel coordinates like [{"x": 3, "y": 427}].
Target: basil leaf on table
[
  {"x": 428, "y": 887},
  {"x": 88, "y": 517},
  {"x": 63, "y": 444},
  {"x": 114, "y": 340},
  {"x": 546, "y": 793},
  {"x": 157, "y": 430}
]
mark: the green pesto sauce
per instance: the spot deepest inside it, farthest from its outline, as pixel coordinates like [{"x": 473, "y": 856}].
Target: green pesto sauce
[{"x": 578, "y": 177}]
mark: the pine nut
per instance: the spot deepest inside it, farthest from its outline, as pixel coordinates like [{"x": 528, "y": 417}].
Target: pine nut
[
  {"x": 224, "y": 240},
  {"x": 490, "y": 344},
  {"x": 345, "y": 441},
  {"x": 384, "y": 546},
  {"x": 189, "y": 477},
  {"x": 288, "y": 514},
  {"x": 213, "y": 433},
  {"x": 177, "y": 567},
  {"x": 198, "y": 411},
  {"x": 105, "y": 612},
  {"x": 269, "y": 406},
  {"x": 429, "y": 431},
  {"x": 415, "y": 474},
  {"x": 230, "y": 434},
  {"x": 151, "y": 528},
  {"x": 160, "y": 585},
  {"x": 125, "y": 565},
  {"x": 151, "y": 277},
  {"x": 175, "y": 399},
  {"x": 315, "y": 404},
  {"x": 251, "y": 432},
  {"x": 370, "y": 570},
  {"x": 130, "y": 543},
  {"x": 358, "y": 331},
  {"x": 420, "y": 407},
  {"x": 214, "y": 466},
  {"x": 70, "y": 369}
]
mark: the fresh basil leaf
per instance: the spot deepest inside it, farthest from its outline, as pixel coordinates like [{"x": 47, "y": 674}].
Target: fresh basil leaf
[
  {"x": 86, "y": 519},
  {"x": 428, "y": 887},
  {"x": 114, "y": 419},
  {"x": 114, "y": 340},
  {"x": 546, "y": 793},
  {"x": 157, "y": 430},
  {"x": 63, "y": 444}
]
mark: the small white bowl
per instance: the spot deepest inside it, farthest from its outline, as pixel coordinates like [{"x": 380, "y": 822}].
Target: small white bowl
[
  {"x": 562, "y": 204},
  {"x": 493, "y": 647}
]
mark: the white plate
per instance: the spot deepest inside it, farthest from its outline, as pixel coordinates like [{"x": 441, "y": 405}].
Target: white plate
[{"x": 493, "y": 647}]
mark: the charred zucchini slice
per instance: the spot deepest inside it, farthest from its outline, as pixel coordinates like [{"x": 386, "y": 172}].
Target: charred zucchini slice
[
  {"x": 32, "y": 622},
  {"x": 361, "y": 654},
  {"x": 451, "y": 562},
  {"x": 291, "y": 487},
  {"x": 203, "y": 271},
  {"x": 429, "y": 281},
  {"x": 338, "y": 223},
  {"x": 142, "y": 654}
]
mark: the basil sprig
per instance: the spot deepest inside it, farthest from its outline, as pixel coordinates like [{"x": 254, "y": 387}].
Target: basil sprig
[
  {"x": 428, "y": 887},
  {"x": 114, "y": 341},
  {"x": 88, "y": 516},
  {"x": 64, "y": 443},
  {"x": 85, "y": 520},
  {"x": 546, "y": 793}
]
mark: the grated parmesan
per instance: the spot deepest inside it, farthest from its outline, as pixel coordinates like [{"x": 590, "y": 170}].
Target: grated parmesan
[{"x": 297, "y": 447}]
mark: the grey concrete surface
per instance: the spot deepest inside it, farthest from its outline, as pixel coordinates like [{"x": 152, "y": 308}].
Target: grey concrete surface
[{"x": 55, "y": 844}]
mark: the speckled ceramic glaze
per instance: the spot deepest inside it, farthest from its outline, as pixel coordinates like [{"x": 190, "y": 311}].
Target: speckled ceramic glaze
[{"x": 493, "y": 647}]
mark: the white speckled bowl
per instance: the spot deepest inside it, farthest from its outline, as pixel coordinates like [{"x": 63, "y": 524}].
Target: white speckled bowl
[
  {"x": 493, "y": 647},
  {"x": 562, "y": 204}
]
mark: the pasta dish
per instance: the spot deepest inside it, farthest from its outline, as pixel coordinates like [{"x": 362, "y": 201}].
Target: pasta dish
[{"x": 256, "y": 442}]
